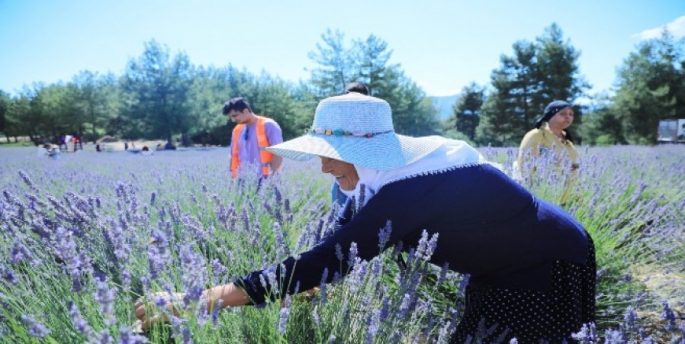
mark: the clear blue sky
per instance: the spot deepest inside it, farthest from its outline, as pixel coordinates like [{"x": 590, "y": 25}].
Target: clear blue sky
[{"x": 441, "y": 44}]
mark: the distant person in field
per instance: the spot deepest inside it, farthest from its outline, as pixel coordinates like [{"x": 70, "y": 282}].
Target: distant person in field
[
  {"x": 50, "y": 150},
  {"x": 339, "y": 197},
  {"x": 77, "y": 143},
  {"x": 63, "y": 142},
  {"x": 145, "y": 151},
  {"x": 551, "y": 140},
  {"x": 251, "y": 137},
  {"x": 550, "y": 136},
  {"x": 532, "y": 265}
]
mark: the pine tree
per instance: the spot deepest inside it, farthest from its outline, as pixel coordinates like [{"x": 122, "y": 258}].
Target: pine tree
[
  {"x": 651, "y": 87},
  {"x": 466, "y": 111}
]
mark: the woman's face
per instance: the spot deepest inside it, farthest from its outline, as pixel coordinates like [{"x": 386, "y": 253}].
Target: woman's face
[
  {"x": 345, "y": 173},
  {"x": 562, "y": 119}
]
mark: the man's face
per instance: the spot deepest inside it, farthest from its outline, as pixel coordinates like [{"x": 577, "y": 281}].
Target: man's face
[{"x": 239, "y": 117}]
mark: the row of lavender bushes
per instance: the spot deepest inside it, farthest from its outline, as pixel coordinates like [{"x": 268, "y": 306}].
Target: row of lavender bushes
[{"x": 84, "y": 236}]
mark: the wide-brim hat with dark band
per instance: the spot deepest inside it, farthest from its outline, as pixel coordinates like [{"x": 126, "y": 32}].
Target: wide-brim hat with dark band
[{"x": 357, "y": 129}]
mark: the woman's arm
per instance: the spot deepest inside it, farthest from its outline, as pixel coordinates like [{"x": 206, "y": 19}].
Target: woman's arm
[
  {"x": 230, "y": 295},
  {"x": 227, "y": 295}
]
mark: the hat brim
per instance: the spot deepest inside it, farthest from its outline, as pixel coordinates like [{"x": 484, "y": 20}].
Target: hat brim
[{"x": 382, "y": 152}]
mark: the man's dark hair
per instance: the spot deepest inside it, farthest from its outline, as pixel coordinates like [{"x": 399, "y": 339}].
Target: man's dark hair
[
  {"x": 238, "y": 104},
  {"x": 357, "y": 87}
]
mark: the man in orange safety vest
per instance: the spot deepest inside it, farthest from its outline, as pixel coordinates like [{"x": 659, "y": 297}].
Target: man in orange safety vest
[{"x": 251, "y": 137}]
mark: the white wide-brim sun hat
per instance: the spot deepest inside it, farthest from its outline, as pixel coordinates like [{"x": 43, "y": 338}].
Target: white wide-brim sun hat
[{"x": 357, "y": 129}]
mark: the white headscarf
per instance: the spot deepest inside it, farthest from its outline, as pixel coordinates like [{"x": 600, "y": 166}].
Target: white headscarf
[{"x": 451, "y": 155}]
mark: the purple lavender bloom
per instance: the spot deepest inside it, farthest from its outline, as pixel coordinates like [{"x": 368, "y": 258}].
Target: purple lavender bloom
[
  {"x": 443, "y": 273},
  {"x": 403, "y": 309},
  {"x": 352, "y": 257},
  {"x": 105, "y": 297},
  {"x": 158, "y": 253},
  {"x": 126, "y": 279},
  {"x": 362, "y": 197},
  {"x": 79, "y": 322},
  {"x": 36, "y": 329},
  {"x": 323, "y": 287},
  {"x": 587, "y": 334},
  {"x": 76, "y": 263},
  {"x": 194, "y": 274},
  {"x": 187, "y": 339},
  {"x": 12, "y": 199},
  {"x": 384, "y": 235},
  {"x": 445, "y": 332},
  {"x": 246, "y": 220},
  {"x": 218, "y": 270},
  {"x": 283, "y": 319},
  {"x": 614, "y": 336},
  {"x": 126, "y": 336},
  {"x": 288, "y": 210},
  {"x": 372, "y": 326},
  {"x": 376, "y": 268},
  {"x": 278, "y": 197},
  {"x": 426, "y": 246},
  {"x": 215, "y": 312},
  {"x": 104, "y": 337},
  {"x": 463, "y": 283},
  {"x": 115, "y": 235},
  {"x": 356, "y": 277},
  {"x": 282, "y": 248},
  {"x": 385, "y": 310},
  {"x": 20, "y": 253},
  {"x": 630, "y": 319},
  {"x": 25, "y": 177},
  {"x": 669, "y": 316},
  {"x": 336, "y": 277}
]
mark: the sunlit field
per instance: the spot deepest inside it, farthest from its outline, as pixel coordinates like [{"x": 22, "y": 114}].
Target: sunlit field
[{"x": 84, "y": 236}]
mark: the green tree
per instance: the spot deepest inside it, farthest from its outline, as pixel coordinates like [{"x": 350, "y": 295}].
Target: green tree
[
  {"x": 601, "y": 125},
  {"x": 651, "y": 87},
  {"x": 537, "y": 73},
  {"x": 61, "y": 113},
  {"x": 31, "y": 115},
  {"x": 557, "y": 68},
  {"x": 97, "y": 98},
  {"x": 367, "y": 61},
  {"x": 157, "y": 89},
  {"x": 5, "y": 101},
  {"x": 335, "y": 65},
  {"x": 507, "y": 113},
  {"x": 466, "y": 111}
]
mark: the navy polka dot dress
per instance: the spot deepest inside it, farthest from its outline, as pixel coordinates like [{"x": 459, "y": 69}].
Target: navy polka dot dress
[{"x": 498, "y": 314}]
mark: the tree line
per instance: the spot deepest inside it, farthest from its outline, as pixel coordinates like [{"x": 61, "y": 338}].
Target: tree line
[{"x": 163, "y": 95}]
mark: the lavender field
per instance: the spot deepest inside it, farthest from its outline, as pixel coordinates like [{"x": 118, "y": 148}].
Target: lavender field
[{"x": 82, "y": 237}]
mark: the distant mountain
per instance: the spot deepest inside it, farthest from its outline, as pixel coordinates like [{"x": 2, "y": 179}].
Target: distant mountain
[{"x": 444, "y": 104}]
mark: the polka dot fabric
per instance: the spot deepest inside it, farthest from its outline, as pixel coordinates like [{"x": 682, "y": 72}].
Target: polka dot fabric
[{"x": 533, "y": 316}]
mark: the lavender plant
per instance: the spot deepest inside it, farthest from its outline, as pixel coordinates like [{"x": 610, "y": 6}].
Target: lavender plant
[{"x": 83, "y": 237}]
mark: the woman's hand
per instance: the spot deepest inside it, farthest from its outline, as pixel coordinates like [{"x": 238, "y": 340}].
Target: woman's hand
[{"x": 158, "y": 308}]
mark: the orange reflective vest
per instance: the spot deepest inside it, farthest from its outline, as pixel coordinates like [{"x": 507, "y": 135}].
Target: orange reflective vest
[{"x": 265, "y": 156}]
